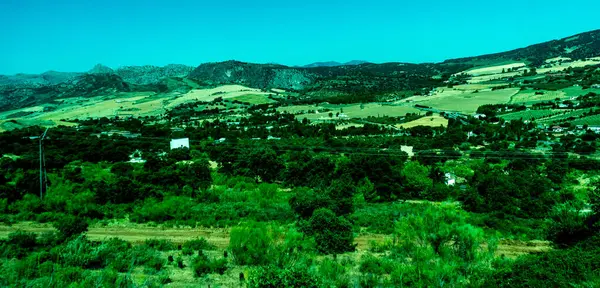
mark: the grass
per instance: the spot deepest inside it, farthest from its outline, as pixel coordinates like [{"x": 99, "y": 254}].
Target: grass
[
  {"x": 254, "y": 99},
  {"x": 575, "y": 91},
  {"x": 460, "y": 101},
  {"x": 528, "y": 115}
]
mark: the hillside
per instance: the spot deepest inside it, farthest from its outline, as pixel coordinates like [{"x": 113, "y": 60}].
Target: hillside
[
  {"x": 576, "y": 47},
  {"x": 351, "y": 82}
]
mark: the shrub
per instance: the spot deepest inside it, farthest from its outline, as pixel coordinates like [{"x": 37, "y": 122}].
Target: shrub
[
  {"x": 22, "y": 239},
  {"x": 332, "y": 234},
  {"x": 197, "y": 244},
  {"x": 374, "y": 265},
  {"x": 202, "y": 265},
  {"x": 160, "y": 244},
  {"x": 333, "y": 274},
  {"x": 69, "y": 226},
  {"x": 251, "y": 244},
  {"x": 271, "y": 276}
]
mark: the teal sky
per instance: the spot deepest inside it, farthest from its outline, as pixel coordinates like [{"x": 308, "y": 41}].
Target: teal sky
[{"x": 41, "y": 35}]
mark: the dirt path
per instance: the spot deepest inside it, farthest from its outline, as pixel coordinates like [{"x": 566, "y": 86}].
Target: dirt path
[{"x": 220, "y": 237}]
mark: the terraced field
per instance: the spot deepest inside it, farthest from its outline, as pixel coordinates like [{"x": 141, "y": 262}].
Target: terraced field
[
  {"x": 528, "y": 115},
  {"x": 530, "y": 96},
  {"x": 593, "y": 120},
  {"x": 566, "y": 115}
]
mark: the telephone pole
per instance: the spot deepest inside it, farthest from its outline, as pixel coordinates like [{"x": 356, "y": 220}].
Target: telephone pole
[{"x": 43, "y": 176}]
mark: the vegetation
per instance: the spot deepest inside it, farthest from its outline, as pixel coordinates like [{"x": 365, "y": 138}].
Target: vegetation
[{"x": 277, "y": 190}]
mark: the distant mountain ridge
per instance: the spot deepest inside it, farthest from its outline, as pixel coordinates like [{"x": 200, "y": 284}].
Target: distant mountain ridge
[
  {"x": 333, "y": 64},
  {"x": 579, "y": 46},
  {"x": 355, "y": 80}
]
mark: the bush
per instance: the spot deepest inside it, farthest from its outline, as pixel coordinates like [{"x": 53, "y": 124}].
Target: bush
[
  {"x": 332, "y": 234},
  {"x": 202, "y": 265},
  {"x": 22, "y": 239},
  {"x": 197, "y": 244},
  {"x": 374, "y": 265},
  {"x": 271, "y": 276},
  {"x": 160, "y": 244},
  {"x": 252, "y": 244},
  {"x": 577, "y": 266},
  {"x": 333, "y": 274},
  {"x": 69, "y": 226}
]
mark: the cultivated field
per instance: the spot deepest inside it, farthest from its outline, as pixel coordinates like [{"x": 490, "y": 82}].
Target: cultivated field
[
  {"x": 593, "y": 120},
  {"x": 531, "y": 114},
  {"x": 122, "y": 104},
  {"x": 350, "y": 111},
  {"x": 564, "y": 65},
  {"x": 530, "y": 96},
  {"x": 575, "y": 91},
  {"x": 465, "y": 102},
  {"x": 254, "y": 99},
  {"x": 494, "y": 69},
  {"x": 433, "y": 121},
  {"x": 565, "y": 115}
]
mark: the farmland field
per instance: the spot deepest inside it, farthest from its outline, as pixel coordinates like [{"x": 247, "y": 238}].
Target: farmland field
[
  {"x": 494, "y": 69},
  {"x": 567, "y": 114},
  {"x": 528, "y": 115},
  {"x": 593, "y": 120},
  {"x": 433, "y": 121},
  {"x": 578, "y": 91},
  {"x": 529, "y": 96},
  {"x": 351, "y": 111},
  {"x": 254, "y": 99},
  {"x": 467, "y": 102}
]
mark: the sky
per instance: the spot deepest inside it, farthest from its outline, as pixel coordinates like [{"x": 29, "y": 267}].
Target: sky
[{"x": 73, "y": 36}]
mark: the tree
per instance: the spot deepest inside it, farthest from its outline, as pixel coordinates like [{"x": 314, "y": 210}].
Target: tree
[
  {"x": 69, "y": 226},
  {"x": 416, "y": 179},
  {"x": 333, "y": 234}
]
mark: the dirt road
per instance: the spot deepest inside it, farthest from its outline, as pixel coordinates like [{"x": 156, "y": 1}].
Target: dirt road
[{"x": 220, "y": 236}]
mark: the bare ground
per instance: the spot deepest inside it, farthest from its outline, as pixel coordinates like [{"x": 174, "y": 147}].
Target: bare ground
[{"x": 220, "y": 237}]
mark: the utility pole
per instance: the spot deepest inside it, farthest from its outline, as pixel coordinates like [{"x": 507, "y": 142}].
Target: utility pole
[{"x": 43, "y": 176}]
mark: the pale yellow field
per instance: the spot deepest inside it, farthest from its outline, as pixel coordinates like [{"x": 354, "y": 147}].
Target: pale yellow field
[
  {"x": 494, "y": 69},
  {"x": 433, "y": 121},
  {"x": 119, "y": 104},
  {"x": 564, "y": 65},
  {"x": 464, "y": 101},
  {"x": 527, "y": 96},
  {"x": 556, "y": 59},
  {"x": 226, "y": 92},
  {"x": 484, "y": 78},
  {"x": 355, "y": 111},
  {"x": 472, "y": 87}
]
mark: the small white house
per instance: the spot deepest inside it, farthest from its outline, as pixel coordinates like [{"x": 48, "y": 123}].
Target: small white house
[
  {"x": 180, "y": 143},
  {"x": 450, "y": 179}
]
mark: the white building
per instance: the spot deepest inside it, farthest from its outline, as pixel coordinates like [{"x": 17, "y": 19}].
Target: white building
[{"x": 180, "y": 143}]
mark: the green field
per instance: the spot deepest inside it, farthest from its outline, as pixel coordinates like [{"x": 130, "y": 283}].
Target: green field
[
  {"x": 593, "y": 120},
  {"x": 350, "y": 111},
  {"x": 528, "y": 115},
  {"x": 577, "y": 91},
  {"x": 254, "y": 99},
  {"x": 469, "y": 102},
  {"x": 573, "y": 113},
  {"x": 529, "y": 96}
]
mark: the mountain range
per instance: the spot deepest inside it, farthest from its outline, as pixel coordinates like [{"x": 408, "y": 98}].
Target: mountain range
[{"x": 330, "y": 81}]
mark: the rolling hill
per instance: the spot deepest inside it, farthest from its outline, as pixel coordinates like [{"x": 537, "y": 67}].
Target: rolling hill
[{"x": 355, "y": 81}]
